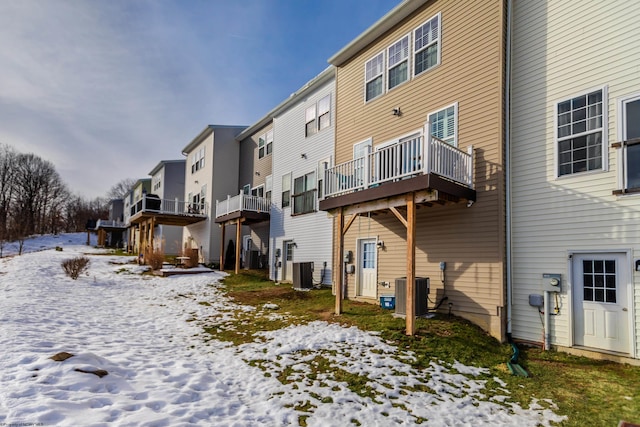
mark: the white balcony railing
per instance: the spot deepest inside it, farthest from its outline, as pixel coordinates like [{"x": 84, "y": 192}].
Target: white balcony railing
[
  {"x": 110, "y": 223},
  {"x": 242, "y": 202},
  {"x": 171, "y": 207},
  {"x": 405, "y": 158}
]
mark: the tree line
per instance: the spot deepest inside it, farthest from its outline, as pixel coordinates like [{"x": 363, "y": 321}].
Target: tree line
[{"x": 35, "y": 200}]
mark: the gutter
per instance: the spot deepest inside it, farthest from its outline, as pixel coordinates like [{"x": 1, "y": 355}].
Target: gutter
[{"x": 507, "y": 165}]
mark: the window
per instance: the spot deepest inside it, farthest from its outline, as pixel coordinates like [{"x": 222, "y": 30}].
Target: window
[
  {"x": 197, "y": 161},
  {"x": 426, "y": 45},
  {"x": 374, "y": 76},
  {"x": 315, "y": 123},
  {"x": 580, "y": 133},
  {"x": 258, "y": 191},
  {"x": 157, "y": 182},
  {"x": 304, "y": 194},
  {"x": 203, "y": 195},
  {"x": 286, "y": 190},
  {"x": 261, "y": 147},
  {"x": 398, "y": 62},
  {"x": 630, "y": 145},
  {"x": 443, "y": 124},
  {"x": 246, "y": 189},
  {"x": 268, "y": 184},
  {"x": 269, "y": 141},
  {"x": 324, "y": 112},
  {"x": 599, "y": 278},
  {"x": 265, "y": 144},
  {"x": 310, "y": 120}
]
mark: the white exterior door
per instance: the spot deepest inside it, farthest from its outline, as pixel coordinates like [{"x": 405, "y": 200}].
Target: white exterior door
[
  {"x": 367, "y": 268},
  {"x": 288, "y": 246},
  {"x": 601, "y": 305}
]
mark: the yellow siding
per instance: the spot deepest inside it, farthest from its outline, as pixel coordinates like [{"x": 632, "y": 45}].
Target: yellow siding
[{"x": 469, "y": 240}]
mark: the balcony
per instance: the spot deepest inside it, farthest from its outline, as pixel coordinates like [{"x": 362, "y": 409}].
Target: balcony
[
  {"x": 245, "y": 206},
  {"x": 110, "y": 224},
  {"x": 166, "y": 211},
  {"x": 408, "y": 165}
]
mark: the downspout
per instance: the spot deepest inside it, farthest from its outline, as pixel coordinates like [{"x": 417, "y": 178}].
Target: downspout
[{"x": 507, "y": 167}]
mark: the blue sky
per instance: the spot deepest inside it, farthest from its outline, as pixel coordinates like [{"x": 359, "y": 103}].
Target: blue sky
[{"x": 106, "y": 89}]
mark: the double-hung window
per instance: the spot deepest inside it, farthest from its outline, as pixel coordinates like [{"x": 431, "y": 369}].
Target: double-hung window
[
  {"x": 269, "y": 141},
  {"x": 310, "y": 120},
  {"x": 443, "y": 124},
  {"x": 426, "y": 45},
  {"x": 579, "y": 133},
  {"x": 374, "y": 77},
  {"x": 629, "y": 111},
  {"x": 398, "y": 62},
  {"x": 324, "y": 112},
  {"x": 197, "y": 161},
  {"x": 261, "y": 142},
  {"x": 286, "y": 190},
  {"x": 304, "y": 194}
]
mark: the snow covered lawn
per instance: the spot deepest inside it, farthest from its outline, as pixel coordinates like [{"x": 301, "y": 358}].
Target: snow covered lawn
[{"x": 147, "y": 333}]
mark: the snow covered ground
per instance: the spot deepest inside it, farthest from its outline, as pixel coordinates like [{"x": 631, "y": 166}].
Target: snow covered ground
[{"x": 146, "y": 332}]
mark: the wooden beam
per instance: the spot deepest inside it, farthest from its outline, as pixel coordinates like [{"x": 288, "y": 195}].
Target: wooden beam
[
  {"x": 420, "y": 197},
  {"x": 411, "y": 265},
  {"x": 238, "y": 233},
  {"x": 222, "y": 247},
  {"x": 399, "y": 216},
  {"x": 338, "y": 262},
  {"x": 346, "y": 227}
]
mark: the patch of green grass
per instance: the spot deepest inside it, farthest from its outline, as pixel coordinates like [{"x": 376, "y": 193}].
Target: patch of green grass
[{"x": 588, "y": 391}]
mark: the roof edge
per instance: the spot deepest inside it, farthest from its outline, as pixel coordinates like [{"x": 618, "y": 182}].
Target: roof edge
[
  {"x": 388, "y": 21},
  {"x": 326, "y": 75}
]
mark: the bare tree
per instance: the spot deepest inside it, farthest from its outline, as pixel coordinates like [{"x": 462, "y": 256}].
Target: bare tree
[
  {"x": 117, "y": 191},
  {"x": 7, "y": 182}
]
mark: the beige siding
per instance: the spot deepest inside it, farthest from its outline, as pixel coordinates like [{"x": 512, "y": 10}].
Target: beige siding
[
  {"x": 469, "y": 240},
  {"x": 254, "y": 170},
  {"x": 562, "y": 49}
]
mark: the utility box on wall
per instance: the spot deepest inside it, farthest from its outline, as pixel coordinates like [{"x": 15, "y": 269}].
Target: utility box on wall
[
  {"x": 421, "y": 294},
  {"x": 551, "y": 282}
]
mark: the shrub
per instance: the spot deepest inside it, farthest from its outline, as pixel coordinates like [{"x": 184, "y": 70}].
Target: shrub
[
  {"x": 74, "y": 267},
  {"x": 155, "y": 259}
]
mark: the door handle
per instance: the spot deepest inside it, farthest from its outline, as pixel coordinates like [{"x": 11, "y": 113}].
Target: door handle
[{"x": 624, "y": 309}]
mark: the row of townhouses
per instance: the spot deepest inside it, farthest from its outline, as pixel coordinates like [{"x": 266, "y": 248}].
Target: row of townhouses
[{"x": 481, "y": 158}]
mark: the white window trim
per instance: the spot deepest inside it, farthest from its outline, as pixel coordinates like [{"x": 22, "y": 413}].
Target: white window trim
[
  {"x": 257, "y": 187},
  {"x": 368, "y": 141},
  {"x": 605, "y": 133},
  {"x": 413, "y": 51},
  {"x": 384, "y": 79},
  {"x": 268, "y": 142},
  {"x": 407, "y": 60},
  {"x": 455, "y": 119},
  {"x": 318, "y": 114},
  {"x": 397, "y": 139}
]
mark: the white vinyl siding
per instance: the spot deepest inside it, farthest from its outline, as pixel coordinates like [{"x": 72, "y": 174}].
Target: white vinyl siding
[
  {"x": 312, "y": 232},
  {"x": 560, "y": 52}
]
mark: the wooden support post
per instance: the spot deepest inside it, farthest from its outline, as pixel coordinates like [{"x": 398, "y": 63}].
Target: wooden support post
[
  {"x": 152, "y": 226},
  {"x": 222, "y": 247},
  {"x": 411, "y": 265},
  {"x": 338, "y": 267},
  {"x": 238, "y": 241}
]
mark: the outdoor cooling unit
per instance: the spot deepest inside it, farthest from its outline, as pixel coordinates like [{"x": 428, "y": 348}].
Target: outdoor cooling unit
[
  {"x": 421, "y": 294},
  {"x": 302, "y": 275}
]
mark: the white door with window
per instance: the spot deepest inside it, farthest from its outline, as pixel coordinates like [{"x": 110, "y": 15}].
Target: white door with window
[
  {"x": 367, "y": 268},
  {"x": 631, "y": 143},
  {"x": 361, "y": 151},
  {"x": 601, "y": 303},
  {"x": 288, "y": 246}
]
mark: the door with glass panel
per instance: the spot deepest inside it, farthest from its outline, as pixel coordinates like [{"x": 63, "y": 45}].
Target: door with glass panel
[
  {"x": 601, "y": 303},
  {"x": 631, "y": 143},
  {"x": 288, "y": 247},
  {"x": 367, "y": 268}
]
